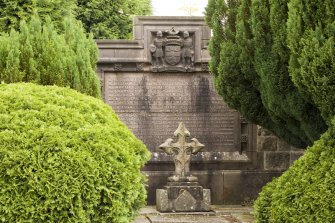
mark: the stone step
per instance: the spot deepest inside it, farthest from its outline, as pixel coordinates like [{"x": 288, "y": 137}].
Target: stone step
[
  {"x": 191, "y": 219},
  {"x": 220, "y": 214}
]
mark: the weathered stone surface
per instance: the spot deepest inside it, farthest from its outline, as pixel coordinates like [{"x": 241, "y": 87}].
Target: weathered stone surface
[
  {"x": 206, "y": 199},
  {"x": 242, "y": 186},
  {"x": 190, "y": 219},
  {"x": 162, "y": 203},
  {"x": 244, "y": 218},
  {"x": 283, "y": 146},
  {"x": 182, "y": 151},
  {"x": 185, "y": 202},
  {"x": 276, "y": 160},
  {"x": 172, "y": 50},
  {"x": 183, "y": 191},
  {"x": 220, "y": 214},
  {"x": 295, "y": 155},
  {"x": 267, "y": 143},
  {"x": 263, "y": 132},
  {"x": 213, "y": 181},
  {"x": 175, "y": 191},
  {"x": 141, "y": 219},
  {"x": 227, "y": 187},
  {"x": 182, "y": 199},
  {"x": 152, "y": 106}
]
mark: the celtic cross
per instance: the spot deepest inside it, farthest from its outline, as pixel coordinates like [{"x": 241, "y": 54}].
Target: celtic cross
[{"x": 182, "y": 151}]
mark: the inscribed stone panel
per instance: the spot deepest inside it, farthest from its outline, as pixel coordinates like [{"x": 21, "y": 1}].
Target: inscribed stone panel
[{"x": 152, "y": 105}]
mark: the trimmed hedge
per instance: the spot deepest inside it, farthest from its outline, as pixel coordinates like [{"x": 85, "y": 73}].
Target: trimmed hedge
[
  {"x": 66, "y": 157},
  {"x": 305, "y": 192}
]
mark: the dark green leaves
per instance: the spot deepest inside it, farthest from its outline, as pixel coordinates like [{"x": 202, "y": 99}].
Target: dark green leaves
[{"x": 250, "y": 63}]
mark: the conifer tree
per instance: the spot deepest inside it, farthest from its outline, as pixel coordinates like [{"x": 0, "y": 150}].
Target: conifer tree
[
  {"x": 10, "y": 58},
  {"x": 14, "y": 11},
  {"x": 311, "y": 39},
  {"x": 288, "y": 55},
  {"x": 279, "y": 95},
  {"x": 111, "y": 19},
  {"x": 250, "y": 65},
  {"x": 40, "y": 54}
]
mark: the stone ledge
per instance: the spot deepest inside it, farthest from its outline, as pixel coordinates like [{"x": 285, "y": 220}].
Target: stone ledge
[
  {"x": 119, "y": 44},
  {"x": 204, "y": 157}
]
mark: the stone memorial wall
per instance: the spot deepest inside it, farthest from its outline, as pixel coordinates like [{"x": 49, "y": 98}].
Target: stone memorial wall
[
  {"x": 161, "y": 78},
  {"x": 152, "y": 104}
]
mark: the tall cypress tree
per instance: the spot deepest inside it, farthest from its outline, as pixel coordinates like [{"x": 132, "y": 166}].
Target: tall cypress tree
[
  {"x": 291, "y": 64},
  {"x": 40, "y": 54},
  {"x": 215, "y": 14},
  {"x": 11, "y": 61},
  {"x": 250, "y": 65},
  {"x": 311, "y": 31},
  {"x": 279, "y": 95}
]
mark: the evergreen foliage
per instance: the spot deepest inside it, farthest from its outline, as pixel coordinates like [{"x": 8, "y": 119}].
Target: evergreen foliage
[
  {"x": 215, "y": 14},
  {"x": 105, "y": 19},
  {"x": 111, "y": 19},
  {"x": 288, "y": 54},
  {"x": 305, "y": 192},
  {"x": 311, "y": 39},
  {"x": 38, "y": 53},
  {"x": 281, "y": 98},
  {"x": 66, "y": 157},
  {"x": 14, "y": 11},
  {"x": 249, "y": 60}
]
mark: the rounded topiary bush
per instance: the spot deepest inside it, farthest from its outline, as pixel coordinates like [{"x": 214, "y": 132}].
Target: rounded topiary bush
[
  {"x": 66, "y": 157},
  {"x": 306, "y": 191}
]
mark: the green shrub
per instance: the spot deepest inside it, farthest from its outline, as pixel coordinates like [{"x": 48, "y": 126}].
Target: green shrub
[
  {"x": 66, "y": 157},
  {"x": 305, "y": 192},
  {"x": 262, "y": 205}
]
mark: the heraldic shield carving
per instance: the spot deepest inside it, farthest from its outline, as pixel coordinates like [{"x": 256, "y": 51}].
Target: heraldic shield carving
[{"x": 172, "y": 51}]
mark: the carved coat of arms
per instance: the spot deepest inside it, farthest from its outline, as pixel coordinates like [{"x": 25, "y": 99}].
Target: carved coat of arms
[{"x": 172, "y": 52}]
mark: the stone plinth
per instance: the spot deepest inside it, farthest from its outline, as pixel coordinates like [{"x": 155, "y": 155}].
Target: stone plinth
[{"x": 183, "y": 197}]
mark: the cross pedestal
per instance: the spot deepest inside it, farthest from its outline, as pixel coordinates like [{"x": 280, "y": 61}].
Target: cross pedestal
[{"x": 182, "y": 192}]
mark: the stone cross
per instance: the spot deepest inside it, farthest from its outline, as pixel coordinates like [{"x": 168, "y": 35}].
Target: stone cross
[{"x": 182, "y": 151}]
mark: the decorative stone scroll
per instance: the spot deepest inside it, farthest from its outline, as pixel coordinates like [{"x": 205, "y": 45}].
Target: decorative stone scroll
[{"x": 172, "y": 50}]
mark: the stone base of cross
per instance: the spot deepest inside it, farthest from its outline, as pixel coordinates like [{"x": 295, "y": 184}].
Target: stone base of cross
[{"x": 182, "y": 192}]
